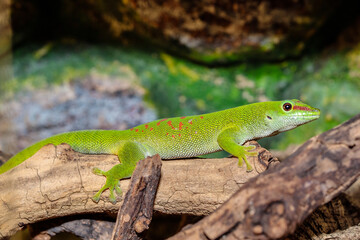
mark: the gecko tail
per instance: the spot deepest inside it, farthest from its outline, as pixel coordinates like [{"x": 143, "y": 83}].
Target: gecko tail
[
  {"x": 22, "y": 156},
  {"x": 27, "y": 153}
]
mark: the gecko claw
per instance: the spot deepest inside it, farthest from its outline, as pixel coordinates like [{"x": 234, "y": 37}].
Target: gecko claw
[
  {"x": 96, "y": 198},
  {"x": 249, "y": 168},
  {"x": 248, "y": 165}
]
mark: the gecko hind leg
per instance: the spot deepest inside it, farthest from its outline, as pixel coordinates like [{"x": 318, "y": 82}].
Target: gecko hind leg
[{"x": 129, "y": 154}]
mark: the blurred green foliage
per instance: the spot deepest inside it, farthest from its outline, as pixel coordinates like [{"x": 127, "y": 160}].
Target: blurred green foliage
[{"x": 178, "y": 87}]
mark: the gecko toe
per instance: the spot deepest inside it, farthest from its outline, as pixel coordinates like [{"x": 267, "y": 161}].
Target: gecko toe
[
  {"x": 252, "y": 153},
  {"x": 112, "y": 197},
  {"x": 251, "y": 147},
  {"x": 118, "y": 190},
  {"x": 99, "y": 172}
]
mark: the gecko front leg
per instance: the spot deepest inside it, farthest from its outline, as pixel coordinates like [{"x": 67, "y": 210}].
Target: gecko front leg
[{"x": 228, "y": 140}]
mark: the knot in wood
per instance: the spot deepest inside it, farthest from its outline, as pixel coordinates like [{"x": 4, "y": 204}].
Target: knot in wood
[
  {"x": 141, "y": 224},
  {"x": 276, "y": 224},
  {"x": 127, "y": 218},
  {"x": 258, "y": 229},
  {"x": 277, "y": 227}
]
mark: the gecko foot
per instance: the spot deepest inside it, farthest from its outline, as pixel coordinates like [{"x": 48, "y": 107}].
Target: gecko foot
[
  {"x": 243, "y": 158},
  {"x": 112, "y": 183}
]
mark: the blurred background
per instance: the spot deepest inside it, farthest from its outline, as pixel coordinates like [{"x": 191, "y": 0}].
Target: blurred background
[
  {"x": 71, "y": 65},
  {"x": 115, "y": 64}
]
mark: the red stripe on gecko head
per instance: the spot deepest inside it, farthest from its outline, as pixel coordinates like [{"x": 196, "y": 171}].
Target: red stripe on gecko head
[{"x": 301, "y": 108}]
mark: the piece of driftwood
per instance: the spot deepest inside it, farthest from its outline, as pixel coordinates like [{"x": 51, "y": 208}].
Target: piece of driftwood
[
  {"x": 136, "y": 211},
  {"x": 58, "y": 182},
  {"x": 270, "y": 206},
  {"x": 84, "y": 229}
]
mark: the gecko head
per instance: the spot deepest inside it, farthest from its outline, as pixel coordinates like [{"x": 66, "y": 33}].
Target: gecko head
[{"x": 289, "y": 114}]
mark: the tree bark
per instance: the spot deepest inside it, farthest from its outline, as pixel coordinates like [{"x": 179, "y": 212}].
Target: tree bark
[
  {"x": 136, "y": 211},
  {"x": 270, "y": 206},
  {"x": 335, "y": 218},
  {"x": 58, "y": 182},
  {"x": 84, "y": 229}
]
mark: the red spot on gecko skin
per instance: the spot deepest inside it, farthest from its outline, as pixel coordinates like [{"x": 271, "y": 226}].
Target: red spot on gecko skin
[
  {"x": 167, "y": 134},
  {"x": 142, "y": 131},
  {"x": 146, "y": 126},
  {"x": 173, "y": 136},
  {"x": 301, "y": 108},
  {"x": 170, "y": 124},
  {"x": 158, "y": 123},
  {"x": 179, "y": 135},
  {"x": 131, "y": 129},
  {"x": 201, "y": 117},
  {"x": 136, "y": 130},
  {"x": 151, "y": 129},
  {"x": 182, "y": 117},
  {"x": 180, "y": 125},
  {"x": 190, "y": 122}
]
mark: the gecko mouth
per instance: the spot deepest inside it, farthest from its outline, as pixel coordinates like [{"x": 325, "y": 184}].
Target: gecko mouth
[
  {"x": 315, "y": 114},
  {"x": 310, "y": 118}
]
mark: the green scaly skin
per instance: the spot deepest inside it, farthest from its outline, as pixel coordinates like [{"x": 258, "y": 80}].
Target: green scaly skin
[{"x": 180, "y": 137}]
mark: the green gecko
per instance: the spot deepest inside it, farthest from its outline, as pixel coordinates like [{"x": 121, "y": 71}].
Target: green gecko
[{"x": 180, "y": 137}]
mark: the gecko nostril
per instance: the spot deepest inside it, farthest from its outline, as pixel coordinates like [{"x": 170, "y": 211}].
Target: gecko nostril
[{"x": 269, "y": 117}]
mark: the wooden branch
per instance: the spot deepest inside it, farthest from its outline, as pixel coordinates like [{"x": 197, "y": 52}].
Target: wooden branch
[
  {"x": 136, "y": 211},
  {"x": 335, "y": 216},
  {"x": 270, "y": 206},
  {"x": 58, "y": 182},
  {"x": 83, "y": 229}
]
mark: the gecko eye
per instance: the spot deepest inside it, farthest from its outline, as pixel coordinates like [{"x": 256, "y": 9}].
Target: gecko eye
[{"x": 287, "y": 107}]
